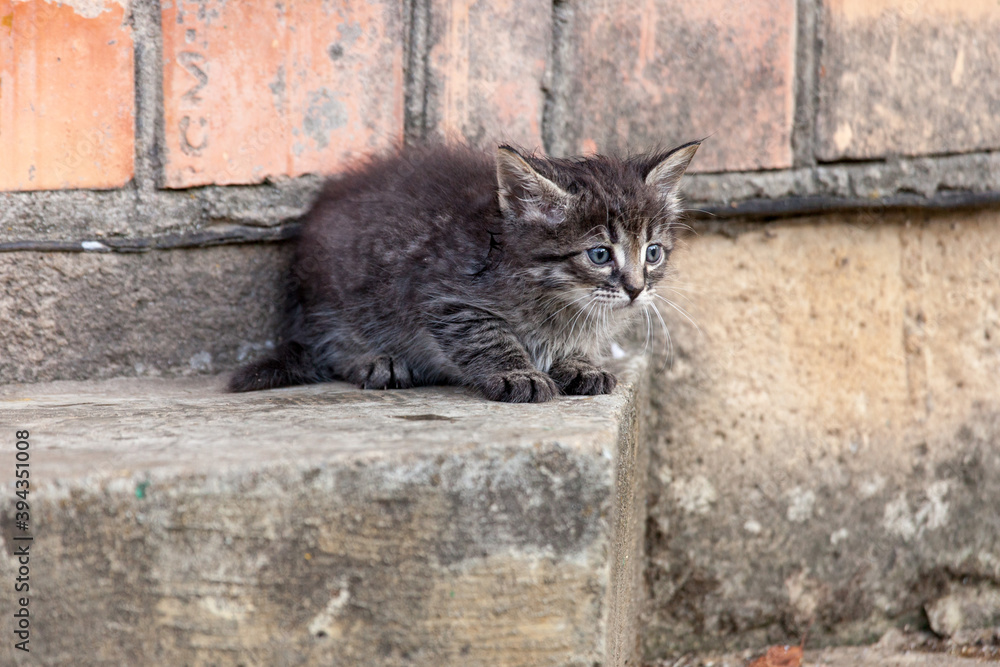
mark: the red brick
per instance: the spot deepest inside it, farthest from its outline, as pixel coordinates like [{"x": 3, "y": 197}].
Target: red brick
[
  {"x": 666, "y": 71},
  {"x": 909, "y": 77},
  {"x": 67, "y": 106},
  {"x": 486, "y": 70},
  {"x": 255, "y": 90}
]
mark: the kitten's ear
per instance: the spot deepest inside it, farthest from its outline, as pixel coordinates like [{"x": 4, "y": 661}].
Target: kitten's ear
[
  {"x": 666, "y": 174},
  {"x": 522, "y": 189}
]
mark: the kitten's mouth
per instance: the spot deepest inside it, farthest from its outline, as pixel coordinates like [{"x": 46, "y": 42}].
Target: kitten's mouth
[{"x": 625, "y": 304}]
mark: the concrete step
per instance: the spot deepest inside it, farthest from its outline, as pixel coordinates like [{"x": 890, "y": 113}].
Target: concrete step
[{"x": 324, "y": 525}]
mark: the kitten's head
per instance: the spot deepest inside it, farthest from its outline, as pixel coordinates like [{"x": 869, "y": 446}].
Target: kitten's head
[{"x": 595, "y": 230}]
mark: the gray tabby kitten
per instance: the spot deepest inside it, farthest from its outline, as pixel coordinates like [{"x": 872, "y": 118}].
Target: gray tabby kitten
[{"x": 441, "y": 265}]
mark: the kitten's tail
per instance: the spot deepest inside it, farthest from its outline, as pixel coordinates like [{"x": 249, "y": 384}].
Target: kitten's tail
[{"x": 289, "y": 365}]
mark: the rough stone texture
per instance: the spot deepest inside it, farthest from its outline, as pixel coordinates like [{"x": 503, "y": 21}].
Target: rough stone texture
[
  {"x": 896, "y": 648},
  {"x": 486, "y": 71},
  {"x": 665, "y": 71},
  {"x": 873, "y": 656},
  {"x": 871, "y": 187},
  {"x": 57, "y": 61},
  {"x": 82, "y": 215},
  {"x": 256, "y": 90},
  {"x": 827, "y": 446},
  {"x": 967, "y": 606},
  {"x": 91, "y": 315},
  {"x": 326, "y": 525},
  {"x": 908, "y": 77}
]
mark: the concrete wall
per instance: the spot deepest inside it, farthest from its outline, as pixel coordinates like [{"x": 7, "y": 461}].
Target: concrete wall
[{"x": 827, "y": 444}]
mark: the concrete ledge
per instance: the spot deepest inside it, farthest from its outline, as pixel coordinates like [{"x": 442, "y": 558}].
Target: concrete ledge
[
  {"x": 326, "y": 525},
  {"x": 137, "y": 220}
]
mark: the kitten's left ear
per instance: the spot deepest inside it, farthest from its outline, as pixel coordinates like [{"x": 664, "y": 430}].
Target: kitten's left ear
[
  {"x": 666, "y": 174},
  {"x": 522, "y": 189}
]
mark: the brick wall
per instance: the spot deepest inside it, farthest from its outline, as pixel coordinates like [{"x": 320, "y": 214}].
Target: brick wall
[
  {"x": 179, "y": 125},
  {"x": 240, "y": 93}
]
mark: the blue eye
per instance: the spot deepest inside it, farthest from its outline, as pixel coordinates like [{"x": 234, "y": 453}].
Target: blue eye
[
  {"x": 599, "y": 255},
  {"x": 654, "y": 253}
]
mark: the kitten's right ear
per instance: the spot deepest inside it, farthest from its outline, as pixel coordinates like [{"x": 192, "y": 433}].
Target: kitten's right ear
[
  {"x": 523, "y": 190},
  {"x": 665, "y": 174}
]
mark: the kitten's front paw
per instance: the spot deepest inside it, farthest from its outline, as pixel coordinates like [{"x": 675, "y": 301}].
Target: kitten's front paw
[
  {"x": 529, "y": 386},
  {"x": 382, "y": 372},
  {"x": 581, "y": 378}
]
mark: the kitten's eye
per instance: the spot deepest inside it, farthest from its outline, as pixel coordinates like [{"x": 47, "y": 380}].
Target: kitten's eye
[
  {"x": 599, "y": 255},
  {"x": 654, "y": 253}
]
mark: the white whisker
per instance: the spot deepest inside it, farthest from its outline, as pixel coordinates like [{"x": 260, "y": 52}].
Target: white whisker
[
  {"x": 564, "y": 308},
  {"x": 679, "y": 310},
  {"x": 649, "y": 328},
  {"x": 668, "y": 342}
]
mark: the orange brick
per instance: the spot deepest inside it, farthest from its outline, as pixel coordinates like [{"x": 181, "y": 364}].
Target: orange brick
[
  {"x": 255, "y": 90},
  {"x": 665, "y": 71},
  {"x": 909, "y": 77},
  {"x": 486, "y": 70},
  {"x": 67, "y": 105}
]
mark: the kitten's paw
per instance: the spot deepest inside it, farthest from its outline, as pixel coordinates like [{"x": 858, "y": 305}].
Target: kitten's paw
[
  {"x": 529, "y": 386},
  {"x": 382, "y": 372},
  {"x": 581, "y": 378}
]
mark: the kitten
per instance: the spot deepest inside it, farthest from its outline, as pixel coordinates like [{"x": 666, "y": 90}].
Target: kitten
[{"x": 441, "y": 265}]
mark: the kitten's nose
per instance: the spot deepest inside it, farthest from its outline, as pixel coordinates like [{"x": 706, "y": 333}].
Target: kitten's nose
[{"x": 632, "y": 292}]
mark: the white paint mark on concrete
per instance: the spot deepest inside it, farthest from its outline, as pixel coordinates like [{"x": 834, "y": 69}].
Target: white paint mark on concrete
[
  {"x": 201, "y": 361},
  {"x": 325, "y": 623},
  {"x": 695, "y": 495},
  {"x": 933, "y": 513},
  {"x": 800, "y": 505},
  {"x": 869, "y": 487},
  {"x": 227, "y": 609},
  {"x": 838, "y": 536},
  {"x": 665, "y": 475},
  {"x": 843, "y": 136},
  {"x": 959, "y": 69},
  {"x": 897, "y": 518}
]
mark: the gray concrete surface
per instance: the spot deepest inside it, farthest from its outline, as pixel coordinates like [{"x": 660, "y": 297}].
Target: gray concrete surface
[
  {"x": 325, "y": 525},
  {"x": 826, "y": 445},
  {"x": 94, "y": 315}
]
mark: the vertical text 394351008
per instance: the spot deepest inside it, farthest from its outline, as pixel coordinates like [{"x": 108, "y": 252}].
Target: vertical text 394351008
[{"x": 22, "y": 541}]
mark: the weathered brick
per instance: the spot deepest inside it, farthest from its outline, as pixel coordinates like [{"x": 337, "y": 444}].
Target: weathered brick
[
  {"x": 67, "y": 109},
  {"x": 909, "y": 77},
  {"x": 257, "y": 90},
  {"x": 666, "y": 71},
  {"x": 486, "y": 70}
]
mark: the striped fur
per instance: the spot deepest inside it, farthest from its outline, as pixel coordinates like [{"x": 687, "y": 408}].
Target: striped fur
[{"x": 444, "y": 265}]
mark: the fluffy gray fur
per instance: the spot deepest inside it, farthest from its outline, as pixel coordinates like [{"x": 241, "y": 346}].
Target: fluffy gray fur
[{"x": 445, "y": 265}]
